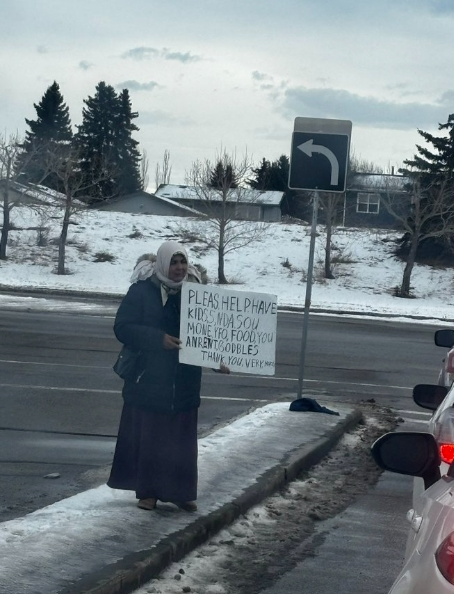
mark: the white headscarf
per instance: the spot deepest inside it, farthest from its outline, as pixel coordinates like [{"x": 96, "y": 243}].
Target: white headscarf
[
  {"x": 148, "y": 265},
  {"x": 163, "y": 258}
]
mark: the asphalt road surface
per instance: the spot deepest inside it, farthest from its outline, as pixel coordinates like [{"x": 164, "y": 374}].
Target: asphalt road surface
[{"x": 60, "y": 401}]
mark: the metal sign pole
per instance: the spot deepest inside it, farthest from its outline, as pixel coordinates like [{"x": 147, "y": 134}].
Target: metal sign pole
[
  {"x": 318, "y": 163},
  {"x": 307, "y": 302}
]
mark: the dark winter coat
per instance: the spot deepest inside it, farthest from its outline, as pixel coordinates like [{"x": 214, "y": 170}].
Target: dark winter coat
[{"x": 166, "y": 385}]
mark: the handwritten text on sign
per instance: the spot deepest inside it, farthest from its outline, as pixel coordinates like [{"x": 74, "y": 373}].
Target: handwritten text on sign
[{"x": 233, "y": 327}]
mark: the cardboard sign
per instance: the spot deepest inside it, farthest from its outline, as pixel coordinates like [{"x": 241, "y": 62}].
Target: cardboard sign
[{"x": 233, "y": 327}]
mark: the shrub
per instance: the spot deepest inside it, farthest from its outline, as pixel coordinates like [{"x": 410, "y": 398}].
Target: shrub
[
  {"x": 103, "y": 257},
  {"x": 136, "y": 234},
  {"x": 396, "y": 292},
  {"x": 83, "y": 248},
  {"x": 42, "y": 236},
  {"x": 342, "y": 259}
]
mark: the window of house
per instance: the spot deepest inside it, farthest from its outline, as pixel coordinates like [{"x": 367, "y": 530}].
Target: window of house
[{"x": 368, "y": 203}]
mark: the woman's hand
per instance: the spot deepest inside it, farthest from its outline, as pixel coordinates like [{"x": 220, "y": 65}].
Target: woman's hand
[
  {"x": 171, "y": 342},
  {"x": 223, "y": 368}
]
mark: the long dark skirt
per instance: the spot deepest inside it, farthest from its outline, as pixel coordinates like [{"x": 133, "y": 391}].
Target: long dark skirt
[{"x": 156, "y": 455}]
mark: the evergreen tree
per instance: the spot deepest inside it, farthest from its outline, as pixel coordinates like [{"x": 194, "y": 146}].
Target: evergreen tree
[
  {"x": 262, "y": 179},
  {"x": 223, "y": 176},
  {"x": 128, "y": 153},
  {"x": 49, "y": 133},
  {"x": 432, "y": 169},
  {"x": 274, "y": 176},
  {"x": 95, "y": 140},
  {"x": 108, "y": 152},
  {"x": 436, "y": 164}
]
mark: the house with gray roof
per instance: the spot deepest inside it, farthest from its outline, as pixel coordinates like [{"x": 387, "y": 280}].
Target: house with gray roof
[
  {"x": 146, "y": 203},
  {"x": 31, "y": 194},
  {"x": 244, "y": 203},
  {"x": 364, "y": 200}
]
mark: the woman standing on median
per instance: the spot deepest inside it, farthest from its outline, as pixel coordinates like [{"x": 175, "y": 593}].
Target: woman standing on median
[{"x": 156, "y": 451}]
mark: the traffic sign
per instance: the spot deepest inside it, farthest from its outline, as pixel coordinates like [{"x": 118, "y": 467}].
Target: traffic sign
[{"x": 319, "y": 156}]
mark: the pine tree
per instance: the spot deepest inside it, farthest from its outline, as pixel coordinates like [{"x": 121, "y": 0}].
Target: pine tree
[
  {"x": 95, "y": 141},
  {"x": 129, "y": 180},
  {"x": 49, "y": 133},
  {"x": 434, "y": 164},
  {"x": 262, "y": 179},
  {"x": 108, "y": 152},
  {"x": 223, "y": 176},
  {"x": 274, "y": 176},
  {"x": 432, "y": 170}
]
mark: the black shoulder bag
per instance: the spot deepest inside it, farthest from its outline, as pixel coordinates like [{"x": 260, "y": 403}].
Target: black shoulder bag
[{"x": 127, "y": 365}]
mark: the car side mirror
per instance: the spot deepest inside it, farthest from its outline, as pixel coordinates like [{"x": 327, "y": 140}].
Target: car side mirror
[
  {"x": 429, "y": 396},
  {"x": 411, "y": 453},
  {"x": 444, "y": 338}
]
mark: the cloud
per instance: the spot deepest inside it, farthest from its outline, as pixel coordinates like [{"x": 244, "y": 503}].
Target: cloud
[
  {"x": 135, "y": 85},
  {"x": 261, "y": 76},
  {"x": 140, "y": 53},
  {"x": 145, "y": 53},
  {"x": 84, "y": 65},
  {"x": 365, "y": 111},
  {"x": 180, "y": 57},
  {"x": 42, "y": 49}
]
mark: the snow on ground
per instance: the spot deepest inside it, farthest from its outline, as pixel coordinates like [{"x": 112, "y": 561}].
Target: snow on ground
[{"x": 278, "y": 264}]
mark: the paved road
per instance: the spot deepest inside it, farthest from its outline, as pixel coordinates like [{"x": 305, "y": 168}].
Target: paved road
[{"x": 60, "y": 401}]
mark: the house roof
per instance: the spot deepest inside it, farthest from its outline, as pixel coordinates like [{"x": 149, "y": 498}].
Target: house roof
[
  {"x": 150, "y": 196},
  {"x": 41, "y": 194},
  {"x": 377, "y": 181},
  {"x": 246, "y": 195}
]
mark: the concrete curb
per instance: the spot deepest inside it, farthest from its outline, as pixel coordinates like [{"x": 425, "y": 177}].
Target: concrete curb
[
  {"x": 116, "y": 298},
  {"x": 133, "y": 571}
]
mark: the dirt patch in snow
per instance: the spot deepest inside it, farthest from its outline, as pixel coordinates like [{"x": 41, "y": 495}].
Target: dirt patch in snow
[{"x": 254, "y": 551}]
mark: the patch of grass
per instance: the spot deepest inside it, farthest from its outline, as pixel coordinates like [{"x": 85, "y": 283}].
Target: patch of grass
[
  {"x": 72, "y": 241},
  {"x": 67, "y": 271},
  {"x": 83, "y": 248},
  {"x": 342, "y": 259},
  {"x": 235, "y": 280},
  {"x": 189, "y": 236},
  {"x": 103, "y": 257},
  {"x": 397, "y": 292},
  {"x": 136, "y": 234},
  {"x": 42, "y": 236}
]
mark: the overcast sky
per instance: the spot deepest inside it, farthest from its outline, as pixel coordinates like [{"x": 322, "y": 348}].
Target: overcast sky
[{"x": 206, "y": 74}]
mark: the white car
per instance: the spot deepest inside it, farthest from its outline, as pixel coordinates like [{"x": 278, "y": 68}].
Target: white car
[
  {"x": 441, "y": 424},
  {"x": 445, "y": 338},
  {"x": 429, "y": 560}
]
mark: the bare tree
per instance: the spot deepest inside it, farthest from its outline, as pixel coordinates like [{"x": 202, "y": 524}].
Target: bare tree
[
  {"x": 12, "y": 163},
  {"x": 221, "y": 188},
  {"x": 9, "y": 152},
  {"x": 162, "y": 174},
  {"x": 330, "y": 201},
  {"x": 430, "y": 204},
  {"x": 77, "y": 189},
  {"x": 144, "y": 165}
]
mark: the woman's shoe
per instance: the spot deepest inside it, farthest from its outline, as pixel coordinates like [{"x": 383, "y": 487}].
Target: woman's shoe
[
  {"x": 189, "y": 506},
  {"x": 148, "y": 504}
]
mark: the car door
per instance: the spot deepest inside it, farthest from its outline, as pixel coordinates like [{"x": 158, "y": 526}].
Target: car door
[{"x": 420, "y": 574}]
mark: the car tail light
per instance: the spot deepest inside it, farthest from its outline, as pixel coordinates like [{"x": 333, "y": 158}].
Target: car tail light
[
  {"x": 444, "y": 556},
  {"x": 444, "y": 435},
  {"x": 446, "y": 452}
]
